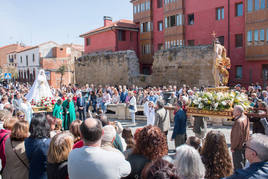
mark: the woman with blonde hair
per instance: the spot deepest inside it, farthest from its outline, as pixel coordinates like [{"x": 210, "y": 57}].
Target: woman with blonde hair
[
  {"x": 59, "y": 149},
  {"x": 17, "y": 165},
  {"x": 75, "y": 130},
  {"x": 20, "y": 115}
]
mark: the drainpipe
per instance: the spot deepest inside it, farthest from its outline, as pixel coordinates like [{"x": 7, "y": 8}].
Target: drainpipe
[
  {"x": 228, "y": 28},
  {"x": 116, "y": 39}
]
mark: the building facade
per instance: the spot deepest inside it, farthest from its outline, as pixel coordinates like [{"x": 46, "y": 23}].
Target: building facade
[
  {"x": 161, "y": 27},
  {"x": 8, "y": 62},
  {"x": 255, "y": 66},
  {"x": 64, "y": 55},
  {"x": 241, "y": 26},
  {"x": 29, "y": 59},
  {"x": 113, "y": 36}
]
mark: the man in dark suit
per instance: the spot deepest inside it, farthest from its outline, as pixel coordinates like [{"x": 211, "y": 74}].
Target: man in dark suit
[
  {"x": 81, "y": 105},
  {"x": 179, "y": 131}
]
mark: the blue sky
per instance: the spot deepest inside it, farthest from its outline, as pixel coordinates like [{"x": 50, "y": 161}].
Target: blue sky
[{"x": 37, "y": 21}]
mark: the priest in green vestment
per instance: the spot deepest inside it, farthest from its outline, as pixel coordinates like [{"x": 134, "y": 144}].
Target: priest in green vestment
[
  {"x": 68, "y": 112},
  {"x": 58, "y": 110}
]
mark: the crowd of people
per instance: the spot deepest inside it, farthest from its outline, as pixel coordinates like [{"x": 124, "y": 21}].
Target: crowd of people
[{"x": 60, "y": 145}]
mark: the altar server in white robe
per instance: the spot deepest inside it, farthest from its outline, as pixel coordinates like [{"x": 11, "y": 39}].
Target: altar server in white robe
[
  {"x": 149, "y": 112},
  {"x": 27, "y": 109}
]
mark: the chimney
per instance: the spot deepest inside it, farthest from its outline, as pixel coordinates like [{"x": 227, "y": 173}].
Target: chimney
[{"x": 107, "y": 20}]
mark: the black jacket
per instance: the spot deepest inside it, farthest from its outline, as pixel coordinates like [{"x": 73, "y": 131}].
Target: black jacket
[{"x": 57, "y": 170}]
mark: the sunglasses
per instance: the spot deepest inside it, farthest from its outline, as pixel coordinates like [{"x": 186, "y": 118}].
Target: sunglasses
[{"x": 21, "y": 116}]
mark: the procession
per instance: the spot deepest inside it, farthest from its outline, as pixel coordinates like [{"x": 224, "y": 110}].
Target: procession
[
  {"x": 174, "y": 90},
  {"x": 57, "y": 120}
]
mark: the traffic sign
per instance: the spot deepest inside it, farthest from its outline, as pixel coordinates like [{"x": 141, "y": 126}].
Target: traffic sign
[{"x": 8, "y": 76}]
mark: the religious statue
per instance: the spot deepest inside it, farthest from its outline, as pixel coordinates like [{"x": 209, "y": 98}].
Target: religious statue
[
  {"x": 221, "y": 66},
  {"x": 40, "y": 88}
]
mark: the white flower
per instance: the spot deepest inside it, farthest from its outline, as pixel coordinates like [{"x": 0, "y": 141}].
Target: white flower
[
  {"x": 200, "y": 106},
  {"x": 223, "y": 103}
]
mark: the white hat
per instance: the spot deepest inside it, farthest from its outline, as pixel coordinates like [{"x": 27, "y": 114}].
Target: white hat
[{"x": 109, "y": 133}]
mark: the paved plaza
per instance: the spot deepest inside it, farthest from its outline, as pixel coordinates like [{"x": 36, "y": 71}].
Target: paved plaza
[{"x": 225, "y": 129}]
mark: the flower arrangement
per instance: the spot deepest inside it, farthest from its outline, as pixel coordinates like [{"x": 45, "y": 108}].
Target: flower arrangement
[
  {"x": 219, "y": 101},
  {"x": 43, "y": 102}
]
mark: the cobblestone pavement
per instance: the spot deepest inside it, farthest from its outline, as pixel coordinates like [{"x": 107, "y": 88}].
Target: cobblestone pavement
[{"x": 224, "y": 129}]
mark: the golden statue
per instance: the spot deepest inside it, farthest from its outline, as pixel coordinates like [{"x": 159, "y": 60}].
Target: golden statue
[{"x": 221, "y": 66}]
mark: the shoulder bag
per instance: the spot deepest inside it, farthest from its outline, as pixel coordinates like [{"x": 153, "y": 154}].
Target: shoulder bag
[
  {"x": 13, "y": 148},
  {"x": 1, "y": 171}
]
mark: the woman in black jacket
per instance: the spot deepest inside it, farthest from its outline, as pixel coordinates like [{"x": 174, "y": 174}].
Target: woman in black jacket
[{"x": 59, "y": 149}]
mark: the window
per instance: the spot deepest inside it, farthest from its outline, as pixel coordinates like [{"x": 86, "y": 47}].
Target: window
[
  {"x": 142, "y": 7},
  {"x": 250, "y": 4},
  {"x": 238, "y": 40},
  {"x": 191, "y": 42},
  {"x": 27, "y": 60},
  {"x": 172, "y": 21},
  {"x": 256, "y": 35},
  {"x": 138, "y": 8},
  {"x": 220, "y": 13},
  {"x": 160, "y": 26},
  {"x": 221, "y": 40},
  {"x": 121, "y": 35},
  {"x": 87, "y": 41},
  {"x": 262, "y": 35},
  {"x": 238, "y": 72},
  {"x": 147, "y": 4},
  {"x": 267, "y": 35},
  {"x": 33, "y": 58},
  {"x": 250, "y": 36},
  {"x": 191, "y": 19},
  {"x": 257, "y": 5},
  {"x": 239, "y": 9},
  {"x": 146, "y": 27},
  {"x": 146, "y": 49},
  {"x": 134, "y": 9},
  {"x": 262, "y": 4},
  {"x": 20, "y": 59},
  {"x": 179, "y": 19},
  {"x": 159, "y": 4}
]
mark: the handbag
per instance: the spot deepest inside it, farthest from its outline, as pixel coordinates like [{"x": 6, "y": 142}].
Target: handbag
[
  {"x": 1, "y": 171},
  {"x": 18, "y": 156},
  {"x": 132, "y": 107}
]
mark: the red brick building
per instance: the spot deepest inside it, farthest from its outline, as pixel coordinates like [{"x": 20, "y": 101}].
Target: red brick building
[
  {"x": 64, "y": 55},
  {"x": 241, "y": 26},
  {"x": 113, "y": 36},
  {"x": 227, "y": 20}
]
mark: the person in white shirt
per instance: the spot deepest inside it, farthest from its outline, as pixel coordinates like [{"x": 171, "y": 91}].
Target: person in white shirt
[
  {"x": 4, "y": 102},
  {"x": 149, "y": 112},
  {"x": 91, "y": 161},
  {"x": 132, "y": 106}
]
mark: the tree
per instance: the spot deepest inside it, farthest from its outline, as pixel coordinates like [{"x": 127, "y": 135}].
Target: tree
[{"x": 61, "y": 71}]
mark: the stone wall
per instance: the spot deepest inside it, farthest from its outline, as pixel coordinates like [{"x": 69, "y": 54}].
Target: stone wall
[
  {"x": 184, "y": 65},
  {"x": 175, "y": 66},
  {"x": 107, "y": 68}
]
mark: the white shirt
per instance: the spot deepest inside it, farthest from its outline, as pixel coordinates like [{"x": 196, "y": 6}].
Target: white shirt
[{"x": 94, "y": 162}]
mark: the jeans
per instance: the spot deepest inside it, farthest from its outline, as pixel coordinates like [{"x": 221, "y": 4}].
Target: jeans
[
  {"x": 82, "y": 115},
  {"x": 132, "y": 114},
  {"x": 87, "y": 106}
]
